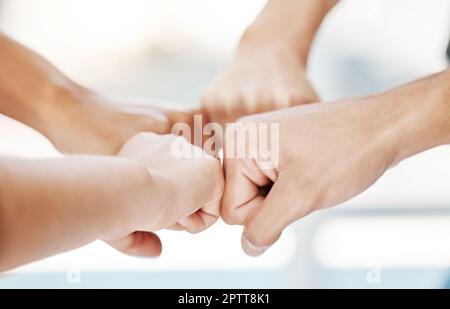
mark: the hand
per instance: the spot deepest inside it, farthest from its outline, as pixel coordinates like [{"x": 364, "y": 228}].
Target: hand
[
  {"x": 83, "y": 122},
  {"x": 73, "y": 118},
  {"x": 187, "y": 192},
  {"x": 260, "y": 79},
  {"x": 326, "y": 158},
  {"x": 330, "y": 153},
  {"x": 269, "y": 69}
]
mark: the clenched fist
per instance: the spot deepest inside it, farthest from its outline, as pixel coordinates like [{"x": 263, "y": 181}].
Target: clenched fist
[
  {"x": 328, "y": 154},
  {"x": 183, "y": 193}
]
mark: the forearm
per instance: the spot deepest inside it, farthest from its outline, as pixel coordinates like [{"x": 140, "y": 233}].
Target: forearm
[
  {"x": 30, "y": 86},
  {"x": 417, "y": 116},
  {"x": 289, "y": 24},
  {"x": 48, "y": 207}
]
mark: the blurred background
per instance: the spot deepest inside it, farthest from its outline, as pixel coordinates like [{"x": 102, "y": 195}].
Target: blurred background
[{"x": 396, "y": 235}]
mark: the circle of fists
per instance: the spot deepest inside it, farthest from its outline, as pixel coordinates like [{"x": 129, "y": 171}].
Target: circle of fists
[{"x": 277, "y": 168}]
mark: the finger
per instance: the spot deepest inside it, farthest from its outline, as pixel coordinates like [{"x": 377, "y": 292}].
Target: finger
[
  {"x": 235, "y": 107},
  {"x": 143, "y": 244},
  {"x": 227, "y": 107},
  {"x": 196, "y": 120},
  {"x": 306, "y": 95},
  {"x": 243, "y": 180},
  {"x": 265, "y": 225},
  {"x": 213, "y": 106},
  {"x": 282, "y": 98},
  {"x": 242, "y": 212},
  {"x": 198, "y": 222},
  {"x": 208, "y": 214},
  {"x": 254, "y": 100}
]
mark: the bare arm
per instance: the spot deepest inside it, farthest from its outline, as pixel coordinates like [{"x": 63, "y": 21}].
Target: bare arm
[
  {"x": 72, "y": 117},
  {"x": 268, "y": 71},
  {"x": 51, "y": 206},
  {"x": 28, "y": 84},
  {"x": 290, "y": 24},
  {"x": 332, "y": 152}
]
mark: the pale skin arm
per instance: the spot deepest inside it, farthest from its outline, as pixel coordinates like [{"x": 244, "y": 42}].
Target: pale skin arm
[
  {"x": 332, "y": 152},
  {"x": 51, "y": 206},
  {"x": 268, "y": 71}
]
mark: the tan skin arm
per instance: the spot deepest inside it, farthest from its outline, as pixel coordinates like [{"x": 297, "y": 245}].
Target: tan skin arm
[{"x": 75, "y": 119}]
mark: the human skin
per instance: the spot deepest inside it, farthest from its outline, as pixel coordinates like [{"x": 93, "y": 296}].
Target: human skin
[
  {"x": 92, "y": 189},
  {"x": 74, "y": 118},
  {"x": 330, "y": 153},
  {"x": 268, "y": 71},
  {"x": 51, "y": 206}
]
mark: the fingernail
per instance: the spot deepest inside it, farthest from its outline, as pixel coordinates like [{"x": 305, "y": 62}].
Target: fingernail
[{"x": 250, "y": 248}]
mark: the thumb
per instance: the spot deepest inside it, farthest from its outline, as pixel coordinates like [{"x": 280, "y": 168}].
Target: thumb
[
  {"x": 144, "y": 244},
  {"x": 266, "y": 224}
]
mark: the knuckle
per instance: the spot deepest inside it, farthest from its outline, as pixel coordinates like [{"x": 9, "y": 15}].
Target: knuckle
[
  {"x": 266, "y": 102},
  {"x": 294, "y": 98},
  {"x": 281, "y": 99},
  {"x": 203, "y": 225},
  {"x": 221, "y": 97},
  {"x": 211, "y": 210},
  {"x": 212, "y": 97},
  {"x": 230, "y": 216},
  {"x": 233, "y": 104},
  {"x": 260, "y": 238}
]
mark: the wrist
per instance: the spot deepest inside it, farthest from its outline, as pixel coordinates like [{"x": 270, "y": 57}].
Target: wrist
[
  {"x": 55, "y": 102},
  {"x": 133, "y": 197},
  {"x": 417, "y": 116},
  {"x": 77, "y": 120},
  {"x": 256, "y": 41},
  {"x": 290, "y": 24},
  {"x": 155, "y": 187}
]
